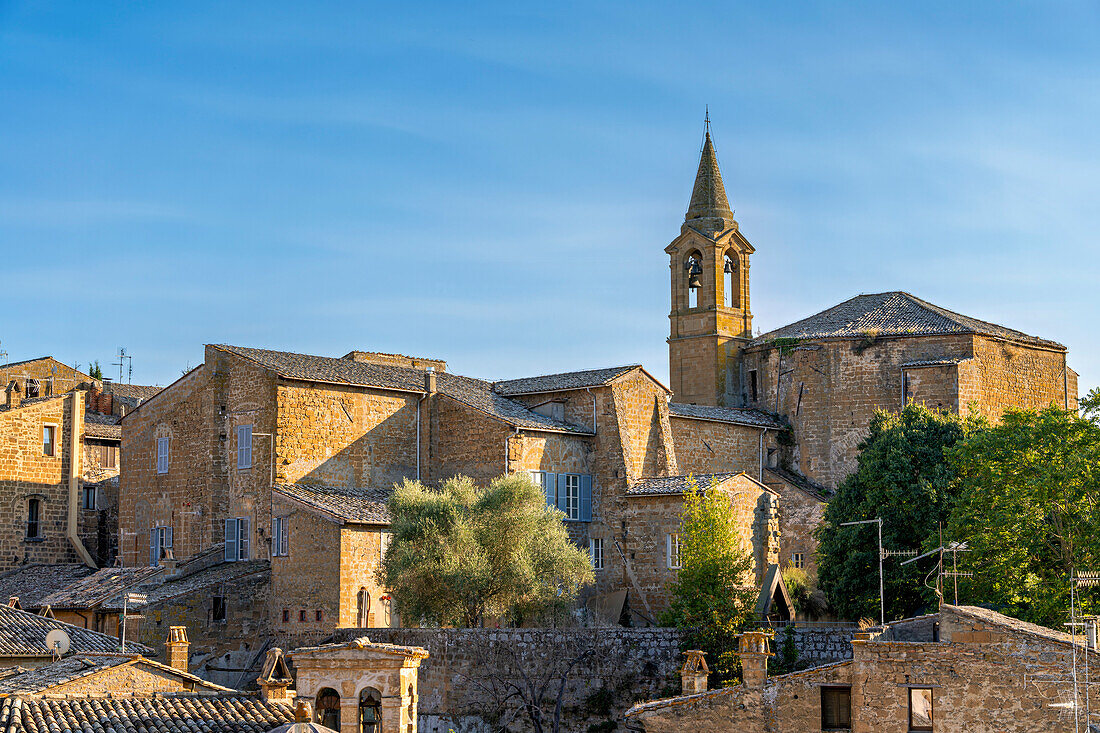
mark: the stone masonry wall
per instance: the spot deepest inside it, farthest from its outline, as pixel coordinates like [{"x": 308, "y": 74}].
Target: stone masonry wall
[
  {"x": 628, "y": 664},
  {"x": 800, "y": 513},
  {"x": 308, "y": 578},
  {"x": 26, "y": 473},
  {"x": 1012, "y": 375},
  {"x": 53, "y": 377},
  {"x": 703, "y": 446},
  {"x": 465, "y": 442}
]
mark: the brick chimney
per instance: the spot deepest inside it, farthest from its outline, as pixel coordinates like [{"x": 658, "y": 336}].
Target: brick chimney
[
  {"x": 693, "y": 675},
  {"x": 752, "y": 648},
  {"x": 275, "y": 679},
  {"x": 178, "y": 647}
]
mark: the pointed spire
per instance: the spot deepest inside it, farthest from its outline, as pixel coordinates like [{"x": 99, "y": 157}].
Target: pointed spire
[{"x": 708, "y": 198}]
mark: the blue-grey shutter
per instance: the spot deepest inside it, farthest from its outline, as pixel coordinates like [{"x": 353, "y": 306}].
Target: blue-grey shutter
[
  {"x": 153, "y": 547},
  {"x": 284, "y": 536},
  {"x": 231, "y": 540},
  {"x": 563, "y": 494},
  {"x": 274, "y": 536},
  {"x": 245, "y": 538},
  {"x": 549, "y": 485},
  {"x": 168, "y": 542},
  {"x": 586, "y": 498}
]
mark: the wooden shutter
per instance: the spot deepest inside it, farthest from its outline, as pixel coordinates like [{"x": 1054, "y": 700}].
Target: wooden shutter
[
  {"x": 231, "y": 540},
  {"x": 153, "y": 546},
  {"x": 586, "y": 498},
  {"x": 563, "y": 493},
  {"x": 243, "y": 538},
  {"x": 168, "y": 539},
  {"x": 550, "y": 486},
  {"x": 284, "y": 535}
]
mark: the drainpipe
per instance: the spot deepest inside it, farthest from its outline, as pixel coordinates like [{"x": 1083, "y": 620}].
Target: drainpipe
[{"x": 76, "y": 427}]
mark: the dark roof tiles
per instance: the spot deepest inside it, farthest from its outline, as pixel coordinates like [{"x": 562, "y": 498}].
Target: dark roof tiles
[
  {"x": 562, "y": 381},
  {"x": 894, "y": 313},
  {"x": 99, "y": 425},
  {"x": 663, "y": 485},
  {"x": 23, "y": 634},
  {"x": 359, "y": 505},
  {"x": 100, "y": 587},
  {"x": 32, "y": 583},
  {"x": 176, "y": 714},
  {"x": 736, "y": 416}
]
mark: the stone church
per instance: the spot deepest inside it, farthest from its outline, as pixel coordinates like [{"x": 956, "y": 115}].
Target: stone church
[{"x": 826, "y": 374}]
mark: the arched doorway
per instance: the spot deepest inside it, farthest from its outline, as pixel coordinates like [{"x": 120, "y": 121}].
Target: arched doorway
[
  {"x": 370, "y": 710},
  {"x": 328, "y": 708}
]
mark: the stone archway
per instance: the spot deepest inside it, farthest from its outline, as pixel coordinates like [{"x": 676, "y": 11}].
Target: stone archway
[{"x": 328, "y": 708}]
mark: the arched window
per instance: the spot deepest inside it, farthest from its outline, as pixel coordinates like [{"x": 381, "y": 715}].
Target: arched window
[
  {"x": 732, "y": 282},
  {"x": 362, "y": 602},
  {"x": 328, "y": 708},
  {"x": 693, "y": 274},
  {"x": 370, "y": 710}
]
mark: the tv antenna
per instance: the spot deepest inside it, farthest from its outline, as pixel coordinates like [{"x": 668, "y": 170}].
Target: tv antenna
[
  {"x": 4, "y": 356},
  {"x": 126, "y": 360}
]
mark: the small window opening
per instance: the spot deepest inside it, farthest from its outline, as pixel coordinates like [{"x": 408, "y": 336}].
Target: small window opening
[
  {"x": 89, "y": 498},
  {"x": 49, "y": 440},
  {"x": 302, "y": 616},
  {"x": 732, "y": 295},
  {"x": 836, "y": 708},
  {"x": 920, "y": 709},
  {"x": 286, "y": 615},
  {"x": 33, "y": 389},
  {"x": 753, "y": 390},
  {"x": 217, "y": 613},
  {"x": 33, "y": 508}
]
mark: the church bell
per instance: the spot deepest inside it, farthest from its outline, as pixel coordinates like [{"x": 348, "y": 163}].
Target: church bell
[{"x": 693, "y": 275}]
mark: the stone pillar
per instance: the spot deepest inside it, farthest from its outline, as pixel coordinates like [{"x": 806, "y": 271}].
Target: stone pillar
[
  {"x": 693, "y": 675},
  {"x": 752, "y": 649},
  {"x": 178, "y": 647}
]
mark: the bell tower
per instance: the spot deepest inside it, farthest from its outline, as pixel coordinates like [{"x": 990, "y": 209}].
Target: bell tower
[{"x": 710, "y": 320}]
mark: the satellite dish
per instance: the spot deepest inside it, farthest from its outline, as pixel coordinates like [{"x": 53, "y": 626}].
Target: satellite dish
[{"x": 57, "y": 641}]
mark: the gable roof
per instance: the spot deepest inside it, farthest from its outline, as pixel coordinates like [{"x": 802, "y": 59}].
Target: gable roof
[
  {"x": 23, "y": 634},
  {"x": 135, "y": 393},
  {"x": 358, "y": 505},
  {"x": 735, "y": 416},
  {"x": 211, "y": 577},
  {"x": 475, "y": 393},
  {"x": 672, "y": 485},
  {"x": 104, "y": 427},
  {"x": 31, "y": 583},
  {"x": 563, "y": 381},
  {"x": 362, "y": 642},
  {"x": 98, "y": 588},
  {"x": 238, "y": 713},
  {"x": 895, "y": 313},
  {"x": 20, "y": 681},
  {"x": 771, "y": 588}
]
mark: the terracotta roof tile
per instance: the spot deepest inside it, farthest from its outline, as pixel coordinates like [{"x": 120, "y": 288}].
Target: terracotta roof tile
[
  {"x": 98, "y": 425},
  {"x": 177, "y": 714}
]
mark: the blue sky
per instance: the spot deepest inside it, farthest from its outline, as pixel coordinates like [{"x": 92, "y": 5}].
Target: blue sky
[{"x": 494, "y": 184}]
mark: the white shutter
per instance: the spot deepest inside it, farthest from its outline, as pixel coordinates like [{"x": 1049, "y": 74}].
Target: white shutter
[
  {"x": 231, "y": 540},
  {"x": 243, "y": 538}
]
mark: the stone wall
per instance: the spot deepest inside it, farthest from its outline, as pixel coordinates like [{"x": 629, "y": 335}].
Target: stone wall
[
  {"x": 800, "y": 513},
  {"x": 1012, "y": 375},
  {"x": 703, "y": 446},
  {"x": 27, "y": 473},
  {"x": 819, "y": 645},
  {"x": 307, "y": 579},
  {"x": 53, "y": 377},
  {"x": 625, "y": 665}
]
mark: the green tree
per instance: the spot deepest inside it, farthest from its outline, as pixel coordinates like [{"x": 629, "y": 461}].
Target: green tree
[
  {"x": 95, "y": 371},
  {"x": 902, "y": 476},
  {"x": 1028, "y": 509},
  {"x": 1090, "y": 405},
  {"x": 463, "y": 553},
  {"x": 712, "y": 596}
]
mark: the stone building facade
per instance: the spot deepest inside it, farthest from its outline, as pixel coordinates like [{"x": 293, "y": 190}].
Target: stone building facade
[
  {"x": 289, "y": 458},
  {"x": 826, "y": 375},
  {"x": 963, "y": 669}
]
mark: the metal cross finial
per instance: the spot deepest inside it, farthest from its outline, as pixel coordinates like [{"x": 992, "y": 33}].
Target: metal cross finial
[{"x": 706, "y": 118}]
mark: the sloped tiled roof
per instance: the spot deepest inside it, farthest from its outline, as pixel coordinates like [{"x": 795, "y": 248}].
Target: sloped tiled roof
[
  {"x": 708, "y": 196},
  {"x": 130, "y": 392},
  {"x": 100, "y": 587},
  {"x": 563, "y": 381},
  {"x": 23, "y": 634},
  {"x": 208, "y": 578},
  {"x": 475, "y": 393},
  {"x": 32, "y": 583},
  {"x": 98, "y": 425},
  {"x": 736, "y": 416},
  {"x": 801, "y": 483},
  {"x": 894, "y": 313},
  {"x": 660, "y": 485},
  {"x": 176, "y": 714},
  {"x": 359, "y": 505},
  {"x": 19, "y": 681}
]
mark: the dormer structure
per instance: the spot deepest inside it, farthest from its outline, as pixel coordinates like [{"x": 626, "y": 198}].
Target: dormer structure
[{"x": 710, "y": 319}]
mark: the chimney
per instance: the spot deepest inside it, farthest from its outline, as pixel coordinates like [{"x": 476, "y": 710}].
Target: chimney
[
  {"x": 752, "y": 648},
  {"x": 274, "y": 680},
  {"x": 429, "y": 380},
  {"x": 178, "y": 647},
  {"x": 303, "y": 711},
  {"x": 693, "y": 675},
  {"x": 13, "y": 395}
]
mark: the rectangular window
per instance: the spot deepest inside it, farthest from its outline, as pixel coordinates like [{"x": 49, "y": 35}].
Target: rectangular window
[
  {"x": 236, "y": 539},
  {"x": 752, "y": 385},
  {"x": 286, "y": 615},
  {"x": 89, "y": 498},
  {"x": 798, "y": 560},
  {"x": 280, "y": 535},
  {"x": 49, "y": 440},
  {"x": 33, "y": 529},
  {"x": 572, "y": 496},
  {"x": 162, "y": 455},
  {"x": 302, "y": 616},
  {"x": 108, "y": 456},
  {"x": 160, "y": 544},
  {"x": 920, "y": 708},
  {"x": 319, "y": 615},
  {"x": 546, "y": 480},
  {"x": 672, "y": 546},
  {"x": 836, "y": 708},
  {"x": 244, "y": 446},
  {"x": 595, "y": 551},
  {"x": 217, "y": 609}
]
